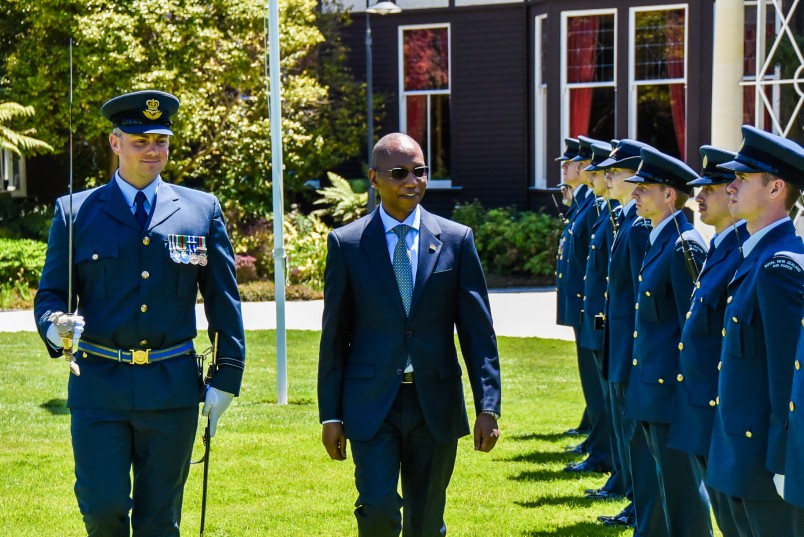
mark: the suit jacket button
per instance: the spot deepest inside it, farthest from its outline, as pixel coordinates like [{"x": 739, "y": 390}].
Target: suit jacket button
[
  {"x": 145, "y": 275},
  {"x": 661, "y": 381},
  {"x": 723, "y": 332},
  {"x": 634, "y": 362},
  {"x": 717, "y": 400},
  {"x": 734, "y": 319},
  {"x": 578, "y": 295},
  {"x": 792, "y": 406},
  {"x": 146, "y": 241},
  {"x": 719, "y": 366},
  {"x": 144, "y": 308},
  {"x": 640, "y": 277},
  {"x": 748, "y": 434},
  {"x": 635, "y": 334},
  {"x": 798, "y": 364},
  {"x": 681, "y": 346},
  {"x": 728, "y": 300},
  {"x": 680, "y": 377},
  {"x": 647, "y": 293},
  {"x": 94, "y": 257},
  {"x": 143, "y": 343},
  {"x": 636, "y": 306},
  {"x": 560, "y": 276},
  {"x": 712, "y": 403}
]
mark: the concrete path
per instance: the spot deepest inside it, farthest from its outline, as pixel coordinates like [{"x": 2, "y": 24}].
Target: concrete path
[{"x": 517, "y": 312}]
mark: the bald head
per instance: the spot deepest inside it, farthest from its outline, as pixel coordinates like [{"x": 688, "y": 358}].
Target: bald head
[{"x": 391, "y": 144}]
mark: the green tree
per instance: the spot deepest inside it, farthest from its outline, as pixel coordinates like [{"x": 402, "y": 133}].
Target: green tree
[
  {"x": 210, "y": 53},
  {"x": 13, "y": 140}
]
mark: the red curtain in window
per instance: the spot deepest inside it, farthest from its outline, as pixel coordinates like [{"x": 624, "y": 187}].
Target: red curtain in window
[
  {"x": 674, "y": 33},
  {"x": 581, "y": 65}
]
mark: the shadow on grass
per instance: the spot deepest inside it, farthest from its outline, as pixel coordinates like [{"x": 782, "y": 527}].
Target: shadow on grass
[
  {"x": 549, "y": 475},
  {"x": 551, "y": 437},
  {"x": 580, "y": 529},
  {"x": 578, "y": 500},
  {"x": 56, "y": 407},
  {"x": 541, "y": 457}
]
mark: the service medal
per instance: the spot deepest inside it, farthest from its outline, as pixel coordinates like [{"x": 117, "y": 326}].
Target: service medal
[
  {"x": 202, "y": 251},
  {"x": 174, "y": 249},
  {"x": 193, "y": 255}
]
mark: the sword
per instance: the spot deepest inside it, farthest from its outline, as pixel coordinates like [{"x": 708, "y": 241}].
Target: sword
[
  {"x": 206, "y": 438},
  {"x": 67, "y": 341}
]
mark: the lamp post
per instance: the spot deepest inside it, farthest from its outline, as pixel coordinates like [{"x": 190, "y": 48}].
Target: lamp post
[{"x": 380, "y": 8}]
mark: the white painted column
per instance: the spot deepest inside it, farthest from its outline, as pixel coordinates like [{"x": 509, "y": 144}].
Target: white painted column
[{"x": 727, "y": 72}]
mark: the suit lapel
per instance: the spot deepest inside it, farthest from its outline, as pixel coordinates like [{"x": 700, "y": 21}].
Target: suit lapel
[
  {"x": 114, "y": 204},
  {"x": 429, "y": 251},
  {"x": 375, "y": 248},
  {"x": 165, "y": 204},
  {"x": 657, "y": 247}
]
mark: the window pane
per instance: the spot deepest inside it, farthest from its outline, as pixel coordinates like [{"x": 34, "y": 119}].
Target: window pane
[
  {"x": 661, "y": 117},
  {"x": 659, "y": 45},
  {"x": 440, "y": 147},
  {"x": 416, "y": 106},
  {"x": 426, "y": 54},
  {"x": 590, "y": 49},
  {"x": 592, "y": 113}
]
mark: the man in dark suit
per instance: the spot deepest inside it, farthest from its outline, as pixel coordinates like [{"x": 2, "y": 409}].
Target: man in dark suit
[
  {"x": 695, "y": 400},
  {"x": 397, "y": 284},
  {"x": 142, "y": 250},
  {"x": 627, "y": 251},
  {"x": 663, "y": 297},
  {"x": 764, "y": 302}
]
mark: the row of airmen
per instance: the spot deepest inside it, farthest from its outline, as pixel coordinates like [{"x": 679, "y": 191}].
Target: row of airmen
[{"x": 689, "y": 354}]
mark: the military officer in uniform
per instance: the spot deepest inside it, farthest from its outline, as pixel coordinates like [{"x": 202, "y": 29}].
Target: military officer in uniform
[
  {"x": 663, "y": 297},
  {"x": 142, "y": 250},
  {"x": 593, "y": 317},
  {"x": 792, "y": 489},
  {"x": 577, "y": 248},
  {"x": 575, "y": 194},
  {"x": 694, "y": 404},
  {"x": 764, "y": 303},
  {"x": 627, "y": 251}
]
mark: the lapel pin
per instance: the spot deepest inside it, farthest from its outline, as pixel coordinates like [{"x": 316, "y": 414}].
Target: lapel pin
[{"x": 432, "y": 248}]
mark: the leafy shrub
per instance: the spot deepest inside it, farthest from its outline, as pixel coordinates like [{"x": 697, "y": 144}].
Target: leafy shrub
[
  {"x": 511, "y": 241},
  {"x": 305, "y": 247},
  {"x": 246, "y": 268},
  {"x": 21, "y": 261},
  {"x": 345, "y": 204},
  {"x": 24, "y": 219},
  {"x": 262, "y": 291}
]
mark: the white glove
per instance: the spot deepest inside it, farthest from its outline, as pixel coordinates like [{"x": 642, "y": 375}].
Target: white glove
[
  {"x": 64, "y": 325},
  {"x": 215, "y": 404},
  {"x": 778, "y": 481}
]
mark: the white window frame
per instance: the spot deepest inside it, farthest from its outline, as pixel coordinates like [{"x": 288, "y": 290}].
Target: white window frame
[
  {"x": 565, "y": 86},
  {"x": 539, "y": 109},
  {"x": 403, "y": 108},
  {"x": 633, "y": 84},
  {"x": 8, "y": 160}
]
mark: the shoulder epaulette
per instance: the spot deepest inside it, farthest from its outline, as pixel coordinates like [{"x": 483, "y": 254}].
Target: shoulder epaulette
[
  {"x": 641, "y": 222},
  {"x": 791, "y": 261}
]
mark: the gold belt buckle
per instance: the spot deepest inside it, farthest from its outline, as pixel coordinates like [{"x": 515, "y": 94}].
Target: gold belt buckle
[{"x": 140, "y": 357}]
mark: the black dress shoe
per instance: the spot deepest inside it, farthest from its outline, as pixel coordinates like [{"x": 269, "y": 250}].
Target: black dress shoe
[
  {"x": 580, "y": 449},
  {"x": 586, "y": 466},
  {"x": 624, "y": 521},
  {"x": 575, "y": 431},
  {"x": 602, "y": 494}
]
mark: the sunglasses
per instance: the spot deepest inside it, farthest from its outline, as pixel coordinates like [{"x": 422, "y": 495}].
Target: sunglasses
[{"x": 401, "y": 173}]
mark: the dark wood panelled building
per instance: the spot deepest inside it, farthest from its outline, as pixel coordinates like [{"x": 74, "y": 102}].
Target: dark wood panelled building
[{"x": 490, "y": 89}]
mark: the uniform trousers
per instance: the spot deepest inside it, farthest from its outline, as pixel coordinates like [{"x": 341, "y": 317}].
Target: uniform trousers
[
  {"x": 684, "y": 498},
  {"x": 403, "y": 445},
  {"x": 617, "y": 482},
  {"x": 650, "y": 521},
  {"x": 766, "y": 518},
  {"x": 108, "y": 444},
  {"x": 597, "y": 444},
  {"x": 720, "y": 502}
]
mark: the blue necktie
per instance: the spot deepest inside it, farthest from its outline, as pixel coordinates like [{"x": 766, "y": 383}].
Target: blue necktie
[
  {"x": 402, "y": 267},
  {"x": 140, "y": 214}
]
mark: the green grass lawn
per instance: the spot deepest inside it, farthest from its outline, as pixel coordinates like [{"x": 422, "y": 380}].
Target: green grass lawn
[{"x": 270, "y": 475}]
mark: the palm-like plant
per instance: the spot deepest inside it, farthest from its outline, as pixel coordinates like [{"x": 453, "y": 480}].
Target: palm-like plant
[
  {"x": 15, "y": 141},
  {"x": 345, "y": 205}
]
